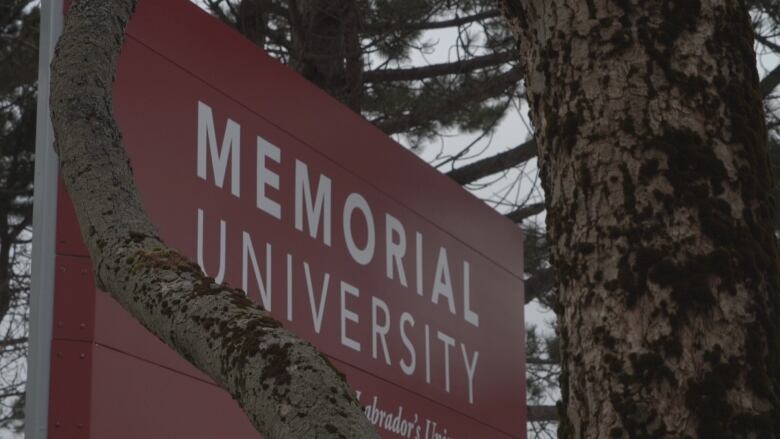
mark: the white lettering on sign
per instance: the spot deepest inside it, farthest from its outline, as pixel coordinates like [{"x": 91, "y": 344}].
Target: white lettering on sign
[
  {"x": 448, "y": 342},
  {"x": 319, "y": 207},
  {"x": 356, "y": 202},
  {"x": 230, "y": 151},
  {"x": 419, "y": 259},
  {"x": 427, "y": 354},
  {"x": 406, "y": 425},
  {"x": 310, "y": 209},
  {"x": 289, "y": 288},
  {"x": 407, "y": 367},
  {"x": 222, "y": 232},
  {"x": 395, "y": 248},
  {"x": 468, "y": 314},
  {"x": 471, "y": 367},
  {"x": 266, "y": 177},
  {"x": 318, "y": 310},
  {"x": 347, "y": 314},
  {"x": 379, "y": 331},
  {"x": 263, "y": 282},
  {"x": 442, "y": 281}
]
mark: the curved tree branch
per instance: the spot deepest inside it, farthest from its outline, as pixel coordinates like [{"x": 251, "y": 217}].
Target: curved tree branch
[
  {"x": 536, "y": 361},
  {"x": 443, "y": 24},
  {"x": 767, "y": 42},
  {"x": 542, "y": 413},
  {"x": 494, "y": 164},
  {"x": 285, "y": 386},
  {"x": 457, "y": 67},
  {"x": 770, "y": 82},
  {"x": 525, "y": 212}
]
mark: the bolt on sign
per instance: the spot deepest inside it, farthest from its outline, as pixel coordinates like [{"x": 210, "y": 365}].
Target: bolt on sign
[{"x": 412, "y": 287}]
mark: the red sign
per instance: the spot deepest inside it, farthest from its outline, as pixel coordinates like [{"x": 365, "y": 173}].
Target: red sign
[{"x": 412, "y": 286}]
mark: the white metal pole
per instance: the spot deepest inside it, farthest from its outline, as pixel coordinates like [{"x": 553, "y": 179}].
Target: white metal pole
[{"x": 44, "y": 229}]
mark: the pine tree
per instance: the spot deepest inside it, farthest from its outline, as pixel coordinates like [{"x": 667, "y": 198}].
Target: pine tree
[{"x": 18, "y": 70}]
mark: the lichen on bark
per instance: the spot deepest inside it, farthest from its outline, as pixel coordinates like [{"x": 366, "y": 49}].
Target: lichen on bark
[
  {"x": 653, "y": 156},
  {"x": 285, "y": 386}
]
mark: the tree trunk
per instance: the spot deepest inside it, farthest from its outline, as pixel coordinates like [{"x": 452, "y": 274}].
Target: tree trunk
[
  {"x": 326, "y": 38},
  {"x": 652, "y": 148},
  {"x": 286, "y": 387}
]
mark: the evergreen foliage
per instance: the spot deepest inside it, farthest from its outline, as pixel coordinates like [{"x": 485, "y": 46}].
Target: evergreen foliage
[
  {"x": 18, "y": 71},
  {"x": 468, "y": 93}
]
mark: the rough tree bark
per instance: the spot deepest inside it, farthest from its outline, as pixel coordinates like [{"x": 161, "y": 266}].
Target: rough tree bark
[
  {"x": 652, "y": 148},
  {"x": 286, "y": 387}
]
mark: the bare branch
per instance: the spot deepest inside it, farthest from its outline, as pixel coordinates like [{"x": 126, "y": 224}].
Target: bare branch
[
  {"x": 497, "y": 163},
  {"x": 542, "y": 361},
  {"x": 457, "y": 67},
  {"x": 770, "y": 81},
  {"x": 457, "y": 21},
  {"x": 542, "y": 413},
  {"x": 526, "y": 211},
  {"x": 767, "y": 42}
]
